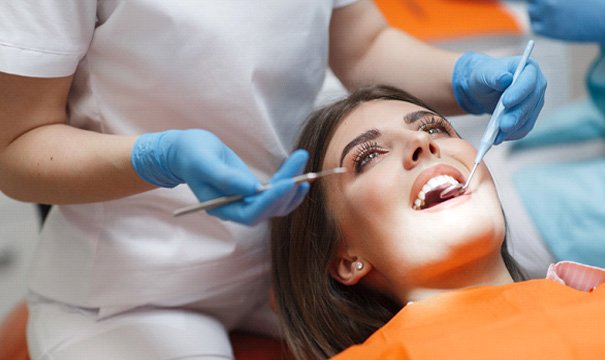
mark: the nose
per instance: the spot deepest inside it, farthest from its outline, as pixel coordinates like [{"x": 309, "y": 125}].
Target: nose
[{"x": 420, "y": 147}]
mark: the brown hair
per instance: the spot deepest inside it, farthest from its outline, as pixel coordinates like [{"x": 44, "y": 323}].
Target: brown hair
[{"x": 319, "y": 316}]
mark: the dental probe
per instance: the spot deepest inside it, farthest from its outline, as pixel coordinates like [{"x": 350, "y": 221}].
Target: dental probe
[
  {"x": 223, "y": 200},
  {"x": 487, "y": 140}
]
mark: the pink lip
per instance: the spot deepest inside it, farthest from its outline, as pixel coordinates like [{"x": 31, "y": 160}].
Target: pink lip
[{"x": 426, "y": 175}]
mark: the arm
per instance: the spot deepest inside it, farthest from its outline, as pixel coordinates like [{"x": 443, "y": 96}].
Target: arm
[
  {"x": 42, "y": 159},
  {"x": 364, "y": 50},
  {"x": 45, "y": 160}
]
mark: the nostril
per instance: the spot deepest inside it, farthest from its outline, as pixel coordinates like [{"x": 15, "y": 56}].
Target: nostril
[
  {"x": 416, "y": 154},
  {"x": 432, "y": 149}
]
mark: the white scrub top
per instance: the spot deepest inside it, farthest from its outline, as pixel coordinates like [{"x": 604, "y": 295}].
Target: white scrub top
[{"x": 246, "y": 70}]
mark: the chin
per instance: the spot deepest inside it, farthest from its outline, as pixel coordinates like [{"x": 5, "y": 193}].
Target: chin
[
  {"x": 474, "y": 222},
  {"x": 465, "y": 220}
]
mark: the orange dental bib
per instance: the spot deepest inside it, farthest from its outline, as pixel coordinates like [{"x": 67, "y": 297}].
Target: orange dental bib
[
  {"x": 438, "y": 20},
  {"x": 536, "y": 319}
]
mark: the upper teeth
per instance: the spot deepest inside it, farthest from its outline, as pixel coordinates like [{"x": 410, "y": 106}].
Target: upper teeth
[{"x": 431, "y": 185}]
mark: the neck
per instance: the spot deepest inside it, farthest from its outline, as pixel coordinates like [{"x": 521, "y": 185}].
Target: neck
[{"x": 490, "y": 271}]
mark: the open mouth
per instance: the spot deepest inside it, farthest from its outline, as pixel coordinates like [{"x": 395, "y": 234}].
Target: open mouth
[
  {"x": 430, "y": 194},
  {"x": 427, "y": 188}
]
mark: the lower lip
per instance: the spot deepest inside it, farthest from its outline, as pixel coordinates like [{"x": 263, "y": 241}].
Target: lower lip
[{"x": 449, "y": 203}]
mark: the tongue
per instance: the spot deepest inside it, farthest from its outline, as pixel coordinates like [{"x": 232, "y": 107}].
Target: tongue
[{"x": 433, "y": 197}]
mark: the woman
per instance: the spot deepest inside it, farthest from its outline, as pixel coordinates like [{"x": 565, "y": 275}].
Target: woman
[{"x": 365, "y": 244}]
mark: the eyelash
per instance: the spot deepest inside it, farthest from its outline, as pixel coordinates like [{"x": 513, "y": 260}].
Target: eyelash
[
  {"x": 436, "y": 123},
  {"x": 364, "y": 153}
]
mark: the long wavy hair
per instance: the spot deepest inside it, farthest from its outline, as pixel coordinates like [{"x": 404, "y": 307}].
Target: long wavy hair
[{"x": 319, "y": 316}]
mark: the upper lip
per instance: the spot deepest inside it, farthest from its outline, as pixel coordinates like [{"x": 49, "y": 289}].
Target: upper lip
[{"x": 426, "y": 175}]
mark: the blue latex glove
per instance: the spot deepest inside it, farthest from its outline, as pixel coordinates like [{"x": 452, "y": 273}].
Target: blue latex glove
[
  {"x": 568, "y": 19},
  {"x": 211, "y": 169},
  {"x": 479, "y": 80}
]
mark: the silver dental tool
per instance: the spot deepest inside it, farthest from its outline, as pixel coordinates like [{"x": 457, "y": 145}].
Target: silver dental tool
[
  {"x": 223, "y": 200},
  {"x": 487, "y": 140}
]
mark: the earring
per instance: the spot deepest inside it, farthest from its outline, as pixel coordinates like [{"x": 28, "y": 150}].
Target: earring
[{"x": 358, "y": 265}]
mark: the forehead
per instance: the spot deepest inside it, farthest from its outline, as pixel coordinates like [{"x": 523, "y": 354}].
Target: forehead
[
  {"x": 376, "y": 114},
  {"x": 384, "y": 109}
]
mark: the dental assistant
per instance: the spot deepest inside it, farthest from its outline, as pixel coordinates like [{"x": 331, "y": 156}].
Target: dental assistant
[
  {"x": 119, "y": 112},
  {"x": 551, "y": 18}
]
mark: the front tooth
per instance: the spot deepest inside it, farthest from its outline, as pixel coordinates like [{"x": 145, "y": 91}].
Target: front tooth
[
  {"x": 421, "y": 195},
  {"x": 453, "y": 181},
  {"x": 426, "y": 188},
  {"x": 444, "y": 180},
  {"x": 433, "y": 183}
]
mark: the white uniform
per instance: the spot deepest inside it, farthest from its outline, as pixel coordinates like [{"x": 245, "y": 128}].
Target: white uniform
[{"x": 245, "y": 70}]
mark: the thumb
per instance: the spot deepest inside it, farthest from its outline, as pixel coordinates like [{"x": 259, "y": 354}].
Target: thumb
[
  {"x": 293, "y": 166},
  {"x": 499, "y": 81}
]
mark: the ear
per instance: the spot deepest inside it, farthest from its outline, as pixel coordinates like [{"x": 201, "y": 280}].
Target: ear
[{"x": 349, "y": 270}]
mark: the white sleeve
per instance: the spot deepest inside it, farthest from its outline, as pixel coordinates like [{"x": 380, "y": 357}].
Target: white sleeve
[
  {"x": 45, "y": 38},
  {"x": 341, "y": 3}
]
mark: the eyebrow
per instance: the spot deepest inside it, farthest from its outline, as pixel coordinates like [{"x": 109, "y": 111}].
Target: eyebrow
[
  {"x": 360, "y": 139},
  {"x": 417, "y": 115}
]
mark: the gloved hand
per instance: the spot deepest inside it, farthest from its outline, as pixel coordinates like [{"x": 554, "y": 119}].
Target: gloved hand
[
  {"x": 479, "y": 80},
  {"x": 211, "y": 169},
  {"x": 568, "y": 20}
]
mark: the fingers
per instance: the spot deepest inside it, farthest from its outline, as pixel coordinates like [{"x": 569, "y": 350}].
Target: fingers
[
  {"x": 497, "y": 78},
  {"x": 522, "y": 101},
  {"x": 212, "y": 169},
  {"x": 254, "y": 209},
  {"x": 286, "y": 202},
  {"x": 205, "y": 163},
  {"x": 517, "y": 122},
  {"x": 280, "y": 199},
  {"x": 301, "y": 192},
  {"x": 500, "y": 138},
  {"x": 530, "y": 79},
  {"x": 229, "y": 175},
  {"x": 293, "y": 166},
  {"x": 528, "y": 125}
]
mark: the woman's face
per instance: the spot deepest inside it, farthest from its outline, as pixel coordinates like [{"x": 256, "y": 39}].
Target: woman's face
[{"x": 397, "y": 154}]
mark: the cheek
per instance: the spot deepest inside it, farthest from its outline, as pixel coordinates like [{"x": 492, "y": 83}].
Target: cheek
[
  {"x": 369, "y": 205},
  {"x": 489, "y": 211},
  {"x": 458, "y": 149},
  {"x": 378, "y": 192}
]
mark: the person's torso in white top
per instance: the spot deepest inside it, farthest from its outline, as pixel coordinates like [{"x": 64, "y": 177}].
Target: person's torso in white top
[{"x": 248, "y": 71}]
